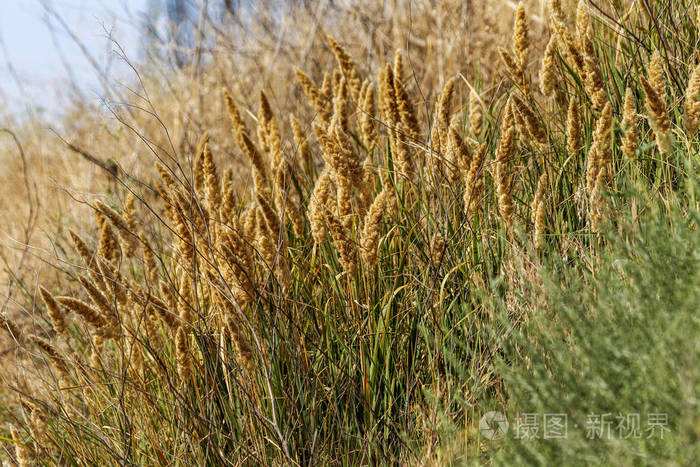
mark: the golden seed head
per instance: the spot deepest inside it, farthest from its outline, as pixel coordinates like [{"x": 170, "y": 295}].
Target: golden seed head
[
  {"x": 10, "y": 327},
  {"x": 81, "y": 308},
  {"x": 257, "y": 163},
  {"x": 265, "y": 240},
  {"x": 301, "y": 142},
  {"x": 198, "y": 169},
  {"x": 438, "y": 246},
  {"x": 53, "y": 354},
  {"x": 367, "y": 124},
  {"x": 347, "y": 66},
  {"x": 521, "y": 41},
  {"x": 318, "y": 99},
  {"x": 657, "y": 114},
  {"x": 54, "y": 311},
  {"x": 211, "y": 180},
  {"x": 599, "y": 157},
  {"x": 548, "y": 78},
  {"x": 318, "y": 205},
  {"x": 445, "y": 103},
  {"x": 474, "y": 182},
  {"x": 343, "y": 243},
  {"x": 656, "y": 73},
  {"x": 108, "y": 246},
  {"x": 407, "y": 113},
  {"x": 182, "y": 354},
  {"x": 476, "y": 115},
  {"x": 593, "y": 79},
  {"x": 570, "y": 46},
  {"x": 629, "y": 126},
  {"x": 538, "y": 208},
  {"x": 340, "y": 106},
  {"x": 459, "y": 155},
  {"x": 388, "y": 107},
  {"x": 692, "y": 102},
  {"x": 532, "y": 122},
  {"x": 503, "y": 179},
  {"x": 125, "y": 231},
  {"x": 583, "y": 20},
  {"x": 573, "y": 127},
  {"x": 99, "y": 299},
  {"x": 369, "y": 240}
]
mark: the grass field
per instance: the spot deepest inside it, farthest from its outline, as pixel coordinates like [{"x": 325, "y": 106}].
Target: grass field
[{"x": 356, "y": 254}]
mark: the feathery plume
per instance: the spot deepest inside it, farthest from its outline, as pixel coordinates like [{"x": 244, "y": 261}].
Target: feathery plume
[
  {"x": 459, "y": 155},
  {"x": 692, "y": 101},
  {"x": 343, "y": 243},
  {"x": 301, "y": 143},
  {"x": 129, "y": 216},
  {"x": 56, "y": 359},
  {"x": 185, "y": 302},
  {"x": 244, "y": 353},
  {"x": 548, "y": 77},
  {"x": 10, "y": 327},
  {"x": 597, "y": 203},
  {"x": 388, "y": 107},
  {"x": 532, "y": 123},
  {"x": 114, "y": 281},
  {"x": 318, "y": 99},
  {"x": 338, "y": 154},
  {"x": 538, "y": 208},
  {"x": 521, "y": 41},
  {"x": 583, "y": 21},
  {"x": 271, "y": 218},
  {"x": 102, "y": 303},
  {"x": 348, "y": 67},
  {"x": 405, "y": 107},
  {"x": 476, "y": 115},
  {"x": 656, "y": 73},
  {"x": 370, "y": 231},
  {"x": 198, "y": 169},
  {"x": 474, "y": 182},
  {"x": 265, "y": 240},
  {"x": 182, "y": 354},
  {"x": 237, "y": 123},
  {"x": 85, "y": 311},
  {"x": 599, "y": 155},
  {"x": 58, "y": 321},
  {"x": 441, "y": 123},
  {"x": 211, "y": 180},
  {"x": 593, "y": 79},
  {"x": 657, "y": 115},
  {"x": 228, "y": 197},
  {"x": 318, "y": 205},
  {"x": 108, "y": 246},
  {"x": 573, "y": 127},
  {"x": 569, "y": 45},
  {"x": 630, "y": 139},
  {"x": 367, "y": 125},
  {"x": 259, "y": 167},
  {"x": 340, "y": 107},
  {"x": 124, "y": 230},
  {"x": 265, "y": 118},
  {"x": 504, "y": 182},
  {"x": 437, "y": 249}
]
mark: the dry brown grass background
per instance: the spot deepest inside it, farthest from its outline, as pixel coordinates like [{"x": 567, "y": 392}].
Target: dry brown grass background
[{"x": 335, "y": 307}]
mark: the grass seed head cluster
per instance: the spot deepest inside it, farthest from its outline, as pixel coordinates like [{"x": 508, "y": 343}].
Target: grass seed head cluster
[{"x": 306, "y": 311}]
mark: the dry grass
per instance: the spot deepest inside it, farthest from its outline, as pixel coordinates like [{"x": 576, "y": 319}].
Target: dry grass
[{"x": 314, "y": 315}]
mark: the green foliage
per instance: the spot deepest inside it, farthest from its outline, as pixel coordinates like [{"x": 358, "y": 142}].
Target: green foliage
[{"x": 621, "y": 340}]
